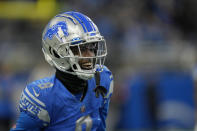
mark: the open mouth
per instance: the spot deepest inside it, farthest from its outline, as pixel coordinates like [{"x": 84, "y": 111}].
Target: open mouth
[{"x": 87, "y": 65}]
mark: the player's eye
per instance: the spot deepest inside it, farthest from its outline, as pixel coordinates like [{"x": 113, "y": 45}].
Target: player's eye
[
  {"x": 93, "y": 47},
  {"x": 75, "y": 50},
  {"x": 89, "y": 46}
]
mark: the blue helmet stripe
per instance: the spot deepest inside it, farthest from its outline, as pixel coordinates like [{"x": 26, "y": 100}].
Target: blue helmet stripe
[
  {"x": 85, "y": 21},
  {"x": 81, "y": 22},
  {"x": 92, "y": 26}
]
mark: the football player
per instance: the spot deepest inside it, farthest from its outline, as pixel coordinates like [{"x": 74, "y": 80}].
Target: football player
[{"x": 76, "y": 97}]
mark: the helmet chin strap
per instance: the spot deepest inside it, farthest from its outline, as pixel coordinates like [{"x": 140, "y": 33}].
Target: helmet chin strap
[{"x": 99, "y": 90}]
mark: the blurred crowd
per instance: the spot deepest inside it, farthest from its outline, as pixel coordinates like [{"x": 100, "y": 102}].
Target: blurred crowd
[{"x": 152, "y": 53}]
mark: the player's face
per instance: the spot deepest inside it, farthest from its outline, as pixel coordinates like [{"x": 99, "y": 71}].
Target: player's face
[{"x": 85, "y": 50}]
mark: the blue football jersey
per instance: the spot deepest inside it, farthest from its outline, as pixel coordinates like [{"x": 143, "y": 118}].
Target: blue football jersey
[{"x": 54, "y": 108}]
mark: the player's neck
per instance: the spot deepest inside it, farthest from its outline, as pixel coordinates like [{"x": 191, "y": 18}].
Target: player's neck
[{"x": 74, "y": 84}]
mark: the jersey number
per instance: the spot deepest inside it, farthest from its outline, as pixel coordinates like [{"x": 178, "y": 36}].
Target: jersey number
[{"x": 84, "y": 120}]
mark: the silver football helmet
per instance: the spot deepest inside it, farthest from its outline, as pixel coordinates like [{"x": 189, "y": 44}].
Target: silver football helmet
[{"x": 72, "y": 43}]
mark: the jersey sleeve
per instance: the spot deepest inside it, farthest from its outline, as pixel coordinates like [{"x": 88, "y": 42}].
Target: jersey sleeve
[
  {"x": 107, "y": 82},
  {"x": 25, "y": 122},
  {"x": 33, "y": 105}
]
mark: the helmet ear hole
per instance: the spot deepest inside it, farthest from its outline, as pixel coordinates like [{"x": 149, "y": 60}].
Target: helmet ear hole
[
  {"x": 75, "y": 67},
  {"x": 50, "y": 50},
  {"x": 55, "y": 54}
]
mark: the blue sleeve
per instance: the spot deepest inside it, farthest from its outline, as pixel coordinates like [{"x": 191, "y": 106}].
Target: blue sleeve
[
  {"x": 109, "y": 84},
  {"x": 33, "y": 110},
  {"x": 25, "y": 122}
]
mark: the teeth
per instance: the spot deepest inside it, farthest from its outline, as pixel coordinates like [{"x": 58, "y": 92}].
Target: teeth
[{"x": 87, "y": 65}]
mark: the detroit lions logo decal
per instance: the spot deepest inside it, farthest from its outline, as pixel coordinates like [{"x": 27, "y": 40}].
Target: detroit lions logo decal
[{"x": 51, "y": 31}]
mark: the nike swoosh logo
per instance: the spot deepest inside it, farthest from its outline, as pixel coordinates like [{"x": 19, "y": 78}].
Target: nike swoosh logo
[{"x": 36, "y": 94}]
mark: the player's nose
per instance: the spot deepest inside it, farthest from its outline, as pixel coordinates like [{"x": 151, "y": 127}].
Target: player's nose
[{"x": 88, "y": 53}]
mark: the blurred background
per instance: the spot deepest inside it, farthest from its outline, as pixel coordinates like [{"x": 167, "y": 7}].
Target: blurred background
[{"x": 152, "y": 52}]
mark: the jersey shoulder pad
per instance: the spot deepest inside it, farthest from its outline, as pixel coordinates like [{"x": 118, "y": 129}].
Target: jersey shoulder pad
[
  {"x": 106, "y": 79},
  {"x": 34, "y": 99}
]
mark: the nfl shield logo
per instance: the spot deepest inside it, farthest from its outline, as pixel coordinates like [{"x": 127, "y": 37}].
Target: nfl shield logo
[{"x": 83, "y": 109}]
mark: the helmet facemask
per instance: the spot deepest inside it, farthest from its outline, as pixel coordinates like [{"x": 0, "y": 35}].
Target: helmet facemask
[{"x": 85, "y": 58}]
